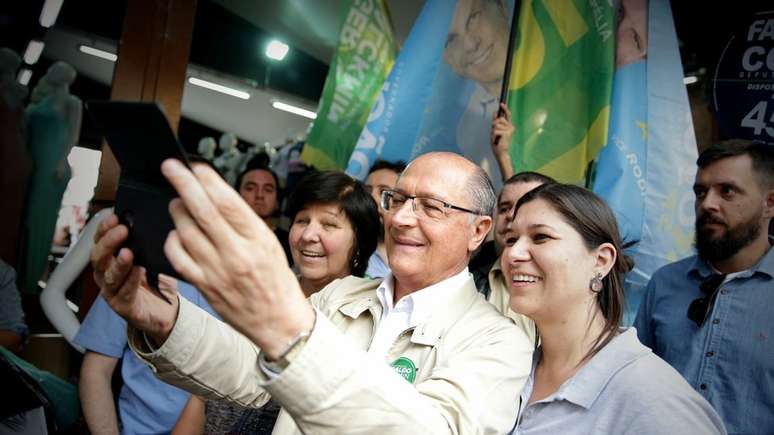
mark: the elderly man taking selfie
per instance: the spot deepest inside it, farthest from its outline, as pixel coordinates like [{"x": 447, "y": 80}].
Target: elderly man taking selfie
[{"x": 419, "y": 352}]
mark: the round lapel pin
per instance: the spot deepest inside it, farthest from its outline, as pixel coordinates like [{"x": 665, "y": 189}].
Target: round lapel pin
[{"x": 406, "y": 368}]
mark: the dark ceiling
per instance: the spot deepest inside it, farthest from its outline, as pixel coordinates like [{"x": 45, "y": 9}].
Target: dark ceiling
[{"x": 222, "y": 41}]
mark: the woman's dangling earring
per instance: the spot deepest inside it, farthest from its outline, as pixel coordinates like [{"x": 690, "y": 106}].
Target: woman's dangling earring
[{"x": 596, "y": 283}]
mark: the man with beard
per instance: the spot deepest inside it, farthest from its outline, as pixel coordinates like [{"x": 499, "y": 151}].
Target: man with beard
[{"x": 710, "y": 315}]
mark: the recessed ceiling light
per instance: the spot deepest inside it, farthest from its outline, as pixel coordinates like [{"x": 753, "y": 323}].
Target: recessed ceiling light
[
  {"x": 294, "y": 109},
  {"x": 32, "y": 53},
  {"x": 690, "y": 80},
  {"x": 24, "y": 76},
  {"x": 49, "y": 12},
  {"x": 277, "y": 50},
  {"x": 102, "y": 54},
  {"x": 219, "y": 88}
]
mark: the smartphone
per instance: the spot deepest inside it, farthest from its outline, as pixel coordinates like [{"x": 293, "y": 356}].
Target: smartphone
[{"x": 141, "y": 138}]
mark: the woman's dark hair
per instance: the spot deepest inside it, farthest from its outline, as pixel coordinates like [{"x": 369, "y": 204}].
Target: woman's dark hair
[
  {"x": 331, "y": 187},
  {"x": 591, "y": 217}
]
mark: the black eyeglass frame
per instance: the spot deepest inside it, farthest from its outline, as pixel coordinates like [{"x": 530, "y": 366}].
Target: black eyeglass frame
[
  {"x": 389, "y": 193},
  {"x": 701, "y": 306}
]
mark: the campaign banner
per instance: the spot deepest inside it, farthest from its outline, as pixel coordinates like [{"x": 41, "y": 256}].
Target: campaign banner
[
  {"x": 363, "y": 58},
  {"x": 743, "y": 86},
  {"x": 646, "y": 170},
  {"x": 621, "y": 168},
  {"x": 560, "y": 86},
  {"x": 443, "y": 89}
]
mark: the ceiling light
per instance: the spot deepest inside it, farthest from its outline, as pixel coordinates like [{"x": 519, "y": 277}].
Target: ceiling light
[
  {"x": 98, "y": 53},
  {"x": 24, "y": 76},
  {"x": 690, "y": 80},
  {"x": 276, "y": 50},
  {"x": 293, "y": 109},
  {"x": 32, "y": 54},
  {"x": 219, "y": 88},
  {"x": 49, "y": 13}
]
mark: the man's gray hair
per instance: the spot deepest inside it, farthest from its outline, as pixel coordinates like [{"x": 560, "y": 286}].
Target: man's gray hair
[{"x": 480, "y": 189}]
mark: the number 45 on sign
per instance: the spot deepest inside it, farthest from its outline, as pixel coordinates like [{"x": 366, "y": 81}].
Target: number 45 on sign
[{"x": 756, "y": 119}]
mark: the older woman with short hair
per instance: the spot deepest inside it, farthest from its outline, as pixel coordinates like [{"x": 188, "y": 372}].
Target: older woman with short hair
[{"x": 334, "y": 232}]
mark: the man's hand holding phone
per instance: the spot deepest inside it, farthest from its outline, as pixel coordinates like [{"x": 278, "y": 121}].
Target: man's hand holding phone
[
  {"x": 124, "y": 285},
  {"x": 224, "y": 249}
]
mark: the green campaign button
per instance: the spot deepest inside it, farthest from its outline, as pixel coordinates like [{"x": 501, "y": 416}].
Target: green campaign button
[{"x": 406, "y": 368}]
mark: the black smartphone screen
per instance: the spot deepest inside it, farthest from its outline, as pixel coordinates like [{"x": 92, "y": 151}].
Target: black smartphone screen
[{"x": 141, "y": 138}]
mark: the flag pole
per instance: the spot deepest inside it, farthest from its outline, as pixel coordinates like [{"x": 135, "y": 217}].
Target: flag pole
[{"x": 509, "y": 58}]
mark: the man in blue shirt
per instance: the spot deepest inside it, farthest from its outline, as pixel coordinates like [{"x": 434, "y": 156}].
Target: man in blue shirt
[
  {"x": 146, "y": 405},
  {"x": 710, "y": 316},
  {"x": 382, "y": 176}
]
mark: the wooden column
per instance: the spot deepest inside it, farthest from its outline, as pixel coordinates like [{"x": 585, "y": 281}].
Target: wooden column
[{"x": 152, "y": 62}]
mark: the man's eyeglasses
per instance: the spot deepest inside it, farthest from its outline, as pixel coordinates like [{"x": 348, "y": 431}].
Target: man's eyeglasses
[
  {"x": 423, "y": 207},
  {"x": 700, "y": 307}
]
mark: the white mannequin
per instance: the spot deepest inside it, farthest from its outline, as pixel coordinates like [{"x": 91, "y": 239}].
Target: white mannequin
[
  {"x": 52, "y": 300},
  {"x": 255, "y": 150},
  {"x": 269, "y": 150},
  {"x": 229, "y": 160},
  {"x": 207, "y": 147}
]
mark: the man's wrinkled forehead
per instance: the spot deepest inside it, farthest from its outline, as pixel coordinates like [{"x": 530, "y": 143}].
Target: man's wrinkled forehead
[
  {"x": 409, "y": 185},
  {"x": 434, "y": 178}
]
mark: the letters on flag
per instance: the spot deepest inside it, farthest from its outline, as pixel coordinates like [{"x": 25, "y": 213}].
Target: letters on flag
[
  {"x": 646, "y": 171},
  {"x": 363, "y": 58}
]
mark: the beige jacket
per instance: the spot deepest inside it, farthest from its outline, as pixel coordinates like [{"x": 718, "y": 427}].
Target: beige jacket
[
  {"x": 471, "y": 365},
  {"x": 500, "y": 297}
]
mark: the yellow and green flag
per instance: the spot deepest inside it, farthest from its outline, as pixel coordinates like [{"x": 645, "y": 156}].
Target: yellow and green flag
[
  {"x": 363, "y": 58},
  {"x": 560, "y": 86}
]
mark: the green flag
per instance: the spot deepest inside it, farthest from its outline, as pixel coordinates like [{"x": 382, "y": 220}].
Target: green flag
[
  {"x": 560, "y": 86},
  {"x": 363, "y": 58}
]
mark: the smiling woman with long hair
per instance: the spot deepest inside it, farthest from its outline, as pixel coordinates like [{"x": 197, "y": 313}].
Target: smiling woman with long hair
[{"x": 565, "y": 267}]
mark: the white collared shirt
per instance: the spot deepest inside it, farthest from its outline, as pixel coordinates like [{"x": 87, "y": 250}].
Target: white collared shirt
[{"x": 410, "y": 311}]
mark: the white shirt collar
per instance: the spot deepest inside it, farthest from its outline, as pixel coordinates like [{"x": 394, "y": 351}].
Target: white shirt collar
[{"x": 418, "y": 304}]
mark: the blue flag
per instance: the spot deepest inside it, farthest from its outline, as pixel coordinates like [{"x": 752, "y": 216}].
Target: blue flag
[
  {"x": 443, "y": 88},
  {"x": 646, "y": 171}
]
